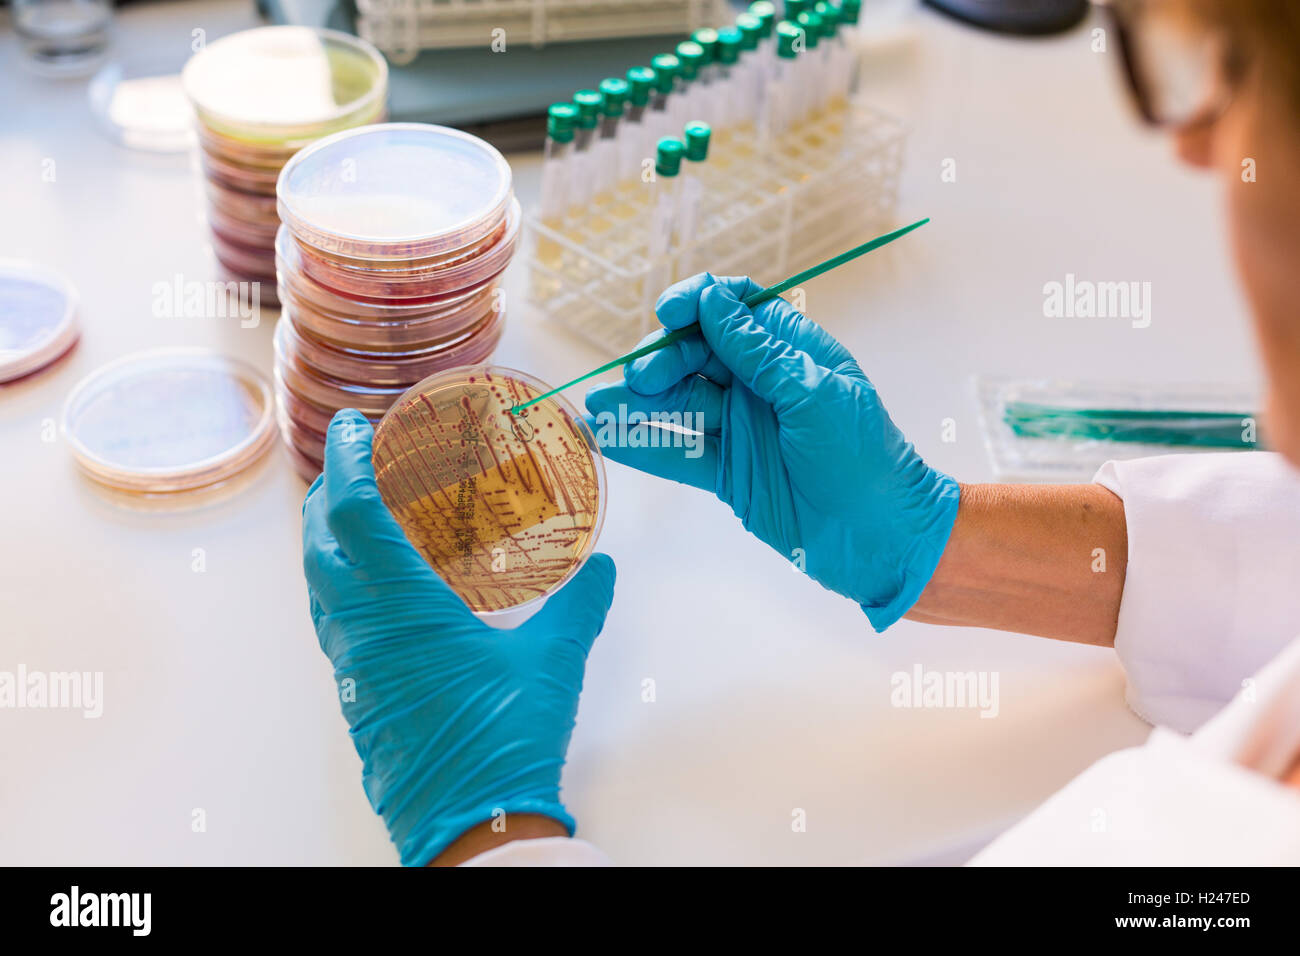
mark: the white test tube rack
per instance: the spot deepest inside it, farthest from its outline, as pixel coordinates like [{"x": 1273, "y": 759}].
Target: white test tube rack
[{"x": 833, "y": 183}]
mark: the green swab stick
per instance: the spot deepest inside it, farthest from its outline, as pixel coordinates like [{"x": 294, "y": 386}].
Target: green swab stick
[{"x": 755, "y": 299}]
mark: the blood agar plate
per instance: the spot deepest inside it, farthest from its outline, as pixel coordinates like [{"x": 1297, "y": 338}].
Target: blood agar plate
[
  {"x": 506, "y": 508},
  {"x": 394, "y": 191},
  {"x": 38, "y": 318},
  {"x": 169, "y": 420}
]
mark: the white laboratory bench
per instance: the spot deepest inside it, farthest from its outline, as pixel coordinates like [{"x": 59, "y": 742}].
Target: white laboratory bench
[{"x": 772, "y": 695}]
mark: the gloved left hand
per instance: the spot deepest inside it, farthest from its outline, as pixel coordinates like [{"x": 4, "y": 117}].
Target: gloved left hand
[{"x": 455, "y": 721}]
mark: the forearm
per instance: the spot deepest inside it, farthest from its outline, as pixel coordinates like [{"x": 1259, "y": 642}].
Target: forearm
[{"x": 1034, "y": 559}]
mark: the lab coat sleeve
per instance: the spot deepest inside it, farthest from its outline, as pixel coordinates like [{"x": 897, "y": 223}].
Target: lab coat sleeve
[
  {"x": 550, "y": 851},
  {"x": 1212, "y": 591}
]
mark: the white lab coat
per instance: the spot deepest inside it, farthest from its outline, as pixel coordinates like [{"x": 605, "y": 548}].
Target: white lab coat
[{"x": 1211, "y": 597}]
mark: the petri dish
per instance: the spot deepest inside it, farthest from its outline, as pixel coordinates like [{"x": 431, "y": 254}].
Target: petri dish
[
  {"x": 394, "y": 191},
  {"x": 505, "y": 508},
  {"x": 247, "y": 206},
  {"x": 392, "y": 368},
  {"x": 169, "y": 420},
  {"x": 285, "y": 83},
  {"x": 242, "y": 259},
  {"x": 142, "y": 106},
  {"x": 416, "y": 281},
  {"x": 304, "y": 413},
  {"x": 38, "y": 318}
]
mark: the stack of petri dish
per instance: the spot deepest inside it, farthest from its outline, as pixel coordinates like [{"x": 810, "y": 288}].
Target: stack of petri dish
[
  {"x": 260, "y": 96},
  {"x": 389, "y": 259}
]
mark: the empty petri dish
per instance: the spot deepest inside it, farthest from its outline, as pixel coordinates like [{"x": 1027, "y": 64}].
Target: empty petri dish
[
  {"x": 505, "y": 508},
  {"x": 169, "y": 420},
  {"x": 38, "y": 318},
  {"x": 142, "y": 106},
  {"x": 282, "y": 83},
  {"x": 394, "y": 191}
]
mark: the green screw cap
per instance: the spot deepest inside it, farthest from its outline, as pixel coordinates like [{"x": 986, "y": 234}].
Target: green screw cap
[
  {"x": 729, "y": 43},
  {"x": 708, "y": 41},
  {"x": 812, "y": 28},
  {"x": 830, "y": 17},
  {"x": 795, "y": 7},
  {"x": 751, "y": 31},
  {"x": 639, "y": 81},
  {"x": 613, "y": 95},
  {"x": 560, "y": 118},
  {"x": 588, "y": 103},
  {"x": 766, "y": 13},
  {"x": 668, "y": 156},
  {"x": 787, "y": 39},
  {"x": 666, "y": 67},
  {"x": 849, "y": 10},
  {"x": 691, "y": 55},
  {"x": 697, "y": 141}
]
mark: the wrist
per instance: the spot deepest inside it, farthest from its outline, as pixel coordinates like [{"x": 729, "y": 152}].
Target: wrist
[{"x": 497, "y": 832}]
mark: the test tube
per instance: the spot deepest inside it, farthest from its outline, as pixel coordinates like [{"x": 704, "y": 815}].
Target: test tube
[
  {"x": 556, "y": 172},
  {"x": 666, "y": 67},
  {"x": 728, "y": 105},
  {"x": 584, "y": 138},
  {"x": 838, "y": 58},
  {"x": 668, "y": 163},
  {"x": 792, "y": 9},
  {"x": 750, "y": 88},
  {"x": 850, "y": 10},
  {"x": 688, "y": 107},
  {"x": 810, "y": 81},
  {"x": 709, "y": 79},
  {"x": 607, "y": 154},
  {"x": 640, "y": 82},
  {"x": 776, "y": 102},
  {"x": 691, "y": 196}
]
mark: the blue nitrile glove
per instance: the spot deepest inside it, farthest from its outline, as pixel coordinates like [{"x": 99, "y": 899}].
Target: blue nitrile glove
[
  {"x": 797, "y": 443},
  {"x": 453, "y": 720}
]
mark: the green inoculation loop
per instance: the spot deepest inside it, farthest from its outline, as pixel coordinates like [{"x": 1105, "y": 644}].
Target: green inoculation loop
[
  {"x": 752, "y": 301},
  {"x": 588, "y": 103},
  {"x": 691, "y": 55},
  {"x": 730, "y": 43},
  {"x": 708, "y": 41},
  {"x": 640, "y": 79},
  {"x": 560, "y": 120},
  {"x": 766, "y": 13},
  {"x": 751, "y": 31},
  {"x": 666, "y": 67},
  {"x": 787, "y": 39},
  {"x": 697, "y": 141},
  {"x": 812, "y": 29},
  {"x": 613, "y": 96}
]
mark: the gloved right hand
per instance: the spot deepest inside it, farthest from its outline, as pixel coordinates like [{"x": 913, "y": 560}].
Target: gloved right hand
[{"x": 796, "y": 441}]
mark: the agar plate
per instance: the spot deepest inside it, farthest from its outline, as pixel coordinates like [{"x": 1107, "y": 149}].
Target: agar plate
[
  {"x": 38, "y": 318},
  {"x": 506, "y": 508},
  {"x": 169, "y": 420}
]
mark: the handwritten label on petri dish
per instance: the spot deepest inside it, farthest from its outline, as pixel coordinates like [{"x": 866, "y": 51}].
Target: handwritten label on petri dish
[{"x": 504, "y": 509}]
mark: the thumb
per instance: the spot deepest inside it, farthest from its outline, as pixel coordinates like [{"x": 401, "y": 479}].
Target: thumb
[
  {"x": 767, "y": 365},
  {"x": 577, "y": 611}
]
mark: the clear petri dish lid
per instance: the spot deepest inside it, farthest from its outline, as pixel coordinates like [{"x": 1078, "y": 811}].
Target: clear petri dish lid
[
  {"x": 394, "y": 191},
  {"x": 280, "y": 83},
  {"x": 169, "y": 420},
  {"x": 142, "y": 106},
  {"x": 38, "y": 318},
  {"x": 505, "y": 508}
]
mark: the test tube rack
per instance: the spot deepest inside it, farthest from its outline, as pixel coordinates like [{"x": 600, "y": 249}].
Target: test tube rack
[
  {"x": 401, "y": 28},
  {"x": 832, "y": 182}
]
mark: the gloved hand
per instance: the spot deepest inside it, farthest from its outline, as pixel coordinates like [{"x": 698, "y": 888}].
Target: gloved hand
[
  {"x": 453, "y": 719},
  {"x": 797, "y": 443}
]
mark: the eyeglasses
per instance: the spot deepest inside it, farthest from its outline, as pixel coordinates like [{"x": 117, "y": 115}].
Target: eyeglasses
[{"x": 1181, "y": 72}]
